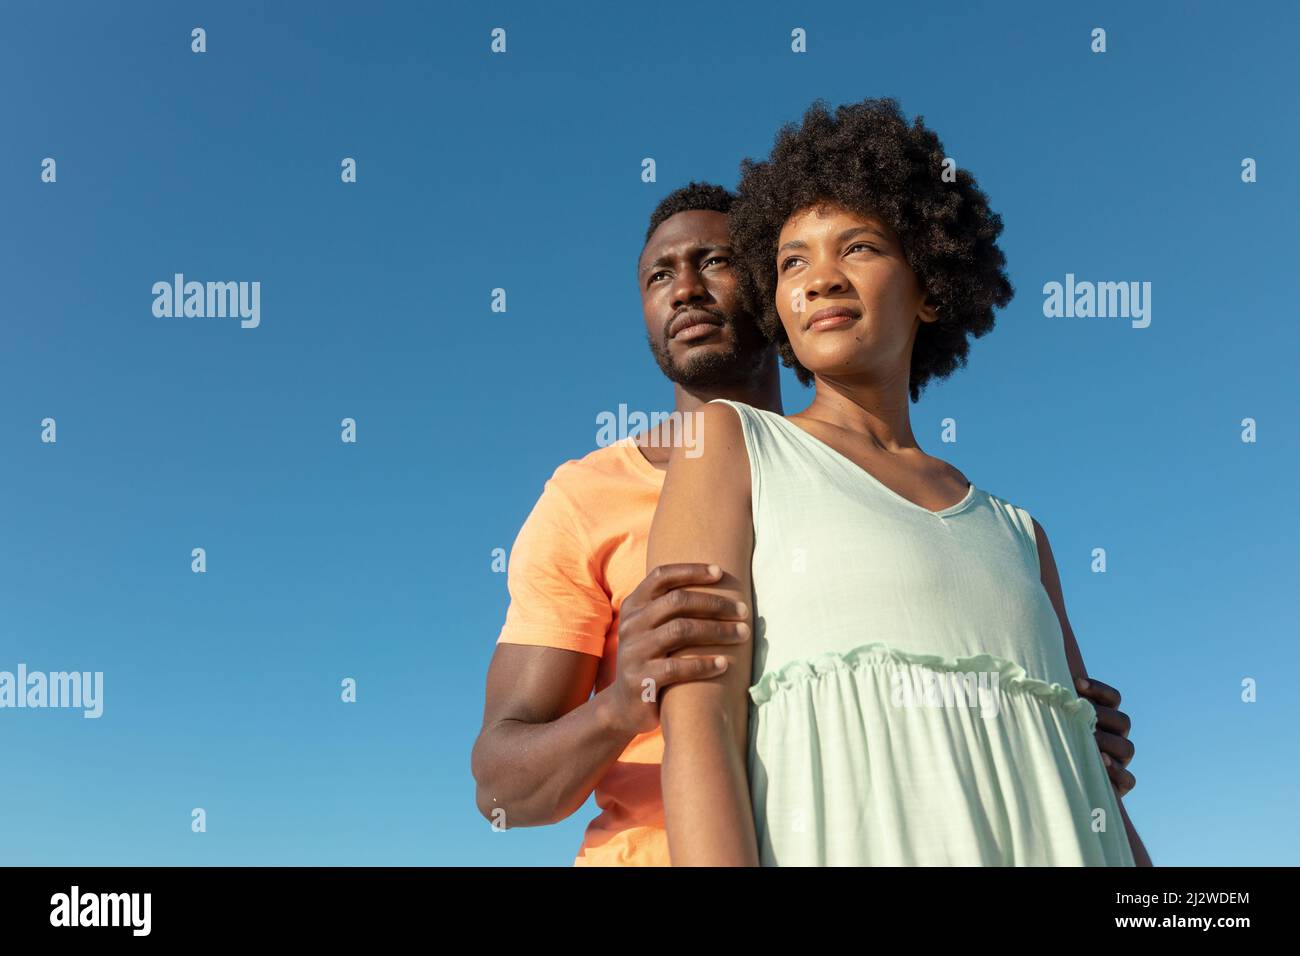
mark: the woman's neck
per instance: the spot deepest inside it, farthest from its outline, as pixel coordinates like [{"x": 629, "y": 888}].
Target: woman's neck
[{"x": 879, "y": 413}]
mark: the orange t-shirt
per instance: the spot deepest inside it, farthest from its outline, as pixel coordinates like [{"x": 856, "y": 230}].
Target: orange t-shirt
[{"x": 581, "y": 551}]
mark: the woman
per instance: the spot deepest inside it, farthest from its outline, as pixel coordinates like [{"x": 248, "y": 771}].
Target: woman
[{"x": 905, "y": 698}]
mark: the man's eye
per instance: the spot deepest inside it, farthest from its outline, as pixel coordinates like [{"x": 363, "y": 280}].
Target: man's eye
[
  {"x": 657, "y": 275},
  {"x": 716, "y": 259}
]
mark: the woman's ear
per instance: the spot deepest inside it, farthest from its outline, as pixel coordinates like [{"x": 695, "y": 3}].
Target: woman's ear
[{"x": 929, "y": 310}]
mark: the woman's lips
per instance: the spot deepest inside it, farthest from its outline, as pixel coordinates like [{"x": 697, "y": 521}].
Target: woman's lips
[{"x": 831, "y": 319}]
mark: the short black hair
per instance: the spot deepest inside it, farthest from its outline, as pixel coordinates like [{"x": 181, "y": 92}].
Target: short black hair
[
  {"x": 692, "y": 196},
  {"x": 867, "y": 158}
]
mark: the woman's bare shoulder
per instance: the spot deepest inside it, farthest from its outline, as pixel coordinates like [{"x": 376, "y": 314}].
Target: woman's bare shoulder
[{"x": 714, "y": 464}]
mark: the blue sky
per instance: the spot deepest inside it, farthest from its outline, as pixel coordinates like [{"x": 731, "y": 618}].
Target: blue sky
[{"x": 373, "y": 560}]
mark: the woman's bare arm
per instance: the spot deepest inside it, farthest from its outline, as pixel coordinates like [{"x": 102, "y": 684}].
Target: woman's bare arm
[
  {"x": 1052, "y": 583},
  {"x": 704, "y": 515}
]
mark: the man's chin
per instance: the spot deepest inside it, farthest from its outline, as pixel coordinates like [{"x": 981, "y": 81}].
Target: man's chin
[
  {"x": 719, "y": 361},
  {"x": 717, "y": 367},
  {"x": 686, "y": 355}
]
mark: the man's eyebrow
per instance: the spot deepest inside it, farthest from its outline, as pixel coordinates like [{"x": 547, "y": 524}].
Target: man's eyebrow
[
  {"x": 666, "y": 259},
  {"x": 846, "y": 234}
]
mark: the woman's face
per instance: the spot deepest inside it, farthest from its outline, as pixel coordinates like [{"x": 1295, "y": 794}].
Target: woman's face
[{"x": 849, "y": 301}]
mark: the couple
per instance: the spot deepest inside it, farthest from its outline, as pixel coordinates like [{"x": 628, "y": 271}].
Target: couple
[{"x": 761, "y": 621}]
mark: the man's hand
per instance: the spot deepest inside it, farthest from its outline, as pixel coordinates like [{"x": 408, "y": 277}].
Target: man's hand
[
  {"x": 1112, "y": 732},
  {"x": 659, "y": 617}
]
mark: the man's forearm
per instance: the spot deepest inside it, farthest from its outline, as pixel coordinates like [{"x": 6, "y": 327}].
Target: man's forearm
[
  {"x": 706, "y": 796},
  {"x": 1140, "y": 855},
  {"x": 538, "y": 774}
]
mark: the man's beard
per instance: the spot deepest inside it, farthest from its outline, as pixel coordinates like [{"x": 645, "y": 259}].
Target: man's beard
[{"x": 737, "y": 365}]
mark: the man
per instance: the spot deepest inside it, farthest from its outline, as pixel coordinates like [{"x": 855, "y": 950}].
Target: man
[{"x": 584, "y": 616}]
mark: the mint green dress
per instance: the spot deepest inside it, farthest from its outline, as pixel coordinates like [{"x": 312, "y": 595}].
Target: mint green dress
[{"x": 911, "y": 703}]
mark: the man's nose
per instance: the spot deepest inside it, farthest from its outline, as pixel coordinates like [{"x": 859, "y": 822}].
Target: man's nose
[{"x": 689, "y": 288}]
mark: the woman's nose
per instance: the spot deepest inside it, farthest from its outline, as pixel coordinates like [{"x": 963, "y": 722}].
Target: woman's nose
[{"x": 823, "y": 281}]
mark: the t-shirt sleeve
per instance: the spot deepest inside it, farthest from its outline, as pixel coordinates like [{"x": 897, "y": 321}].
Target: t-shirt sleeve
[{"x": 556, "y": 595}]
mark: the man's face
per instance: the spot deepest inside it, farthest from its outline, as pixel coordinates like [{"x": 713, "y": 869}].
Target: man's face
[{"x": 698, "y": 331}]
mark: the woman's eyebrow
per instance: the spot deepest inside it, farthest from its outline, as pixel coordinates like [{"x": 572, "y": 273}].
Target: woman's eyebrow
[{"x": 846, "y": 234}]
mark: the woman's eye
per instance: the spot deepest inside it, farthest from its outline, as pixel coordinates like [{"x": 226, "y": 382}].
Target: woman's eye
[
  {"x": 786, "y": 263},
  {"x": 863, "y": 245}
]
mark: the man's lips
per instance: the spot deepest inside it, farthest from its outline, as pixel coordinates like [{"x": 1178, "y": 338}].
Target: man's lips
[
  {"x": 831, "y": 318},
  {"x": 693, "y": 325}
]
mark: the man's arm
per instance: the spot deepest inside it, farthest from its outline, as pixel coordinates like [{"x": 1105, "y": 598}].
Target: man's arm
[
  {"x": 1052, "y": 583},
  {"x": 704, "y": 515},
  {"x": 542, "y": 748},
  {"x": 544, "y": 745}
]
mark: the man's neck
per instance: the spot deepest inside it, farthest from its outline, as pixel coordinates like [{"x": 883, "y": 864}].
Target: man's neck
[{"x": 764, "y": 392}]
